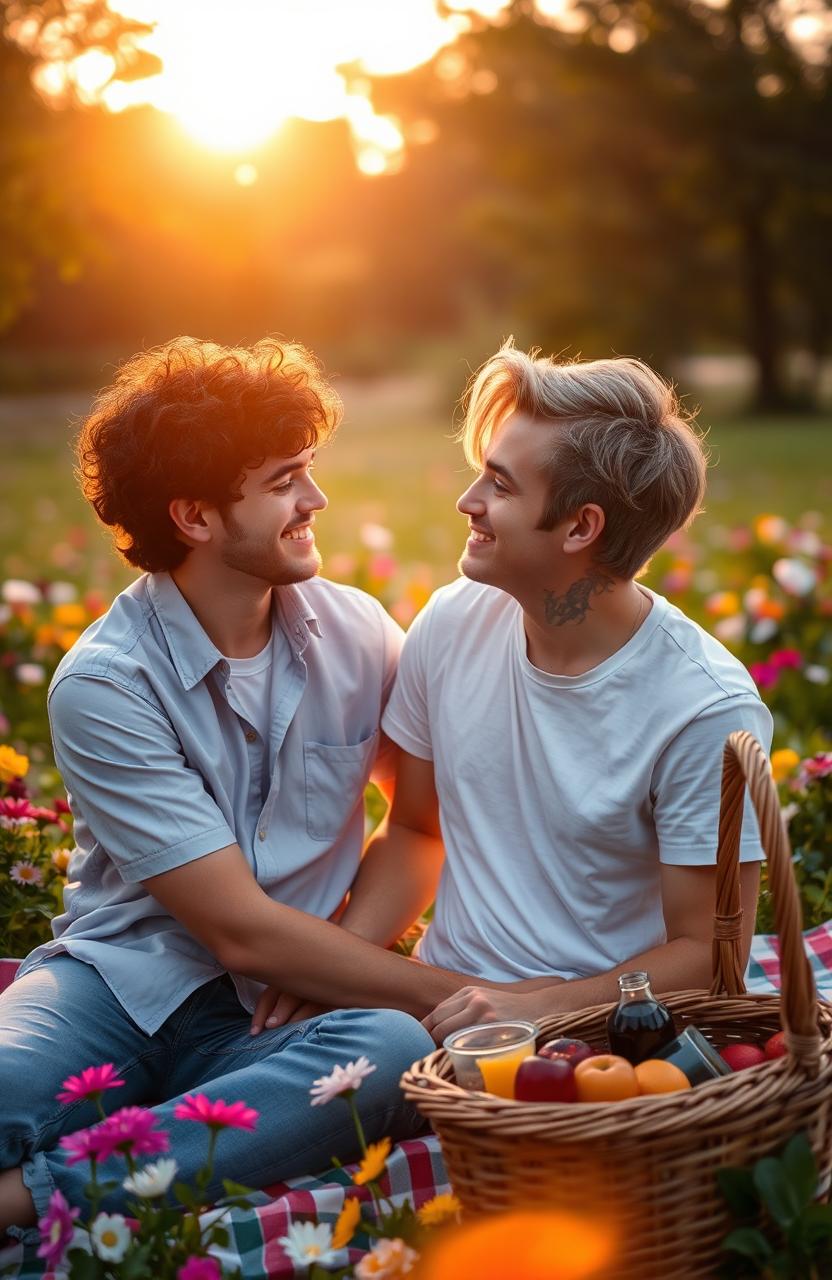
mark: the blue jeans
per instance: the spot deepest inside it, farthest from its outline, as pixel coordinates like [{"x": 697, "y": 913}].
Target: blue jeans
[{"x": 62, "y": 1017}]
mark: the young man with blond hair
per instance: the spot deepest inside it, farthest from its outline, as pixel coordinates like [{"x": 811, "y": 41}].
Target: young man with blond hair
[{"x": 570, "y": 721}]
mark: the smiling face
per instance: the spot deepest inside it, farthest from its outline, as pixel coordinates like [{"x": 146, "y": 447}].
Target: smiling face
[
  {"x": 268, "y": 534},
  {"x": 504, "y": 506}
]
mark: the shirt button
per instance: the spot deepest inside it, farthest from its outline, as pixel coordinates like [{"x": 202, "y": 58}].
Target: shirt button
[
  {"x": 251, "y": 736},
  {"x": 262, "y": 833}
]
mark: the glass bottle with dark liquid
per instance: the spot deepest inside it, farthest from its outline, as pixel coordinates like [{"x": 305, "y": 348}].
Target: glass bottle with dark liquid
[{"x": 640, "y": 1025}]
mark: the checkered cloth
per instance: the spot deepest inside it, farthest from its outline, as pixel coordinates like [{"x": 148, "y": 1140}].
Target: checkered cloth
[{"x": 415, "y": 1168}]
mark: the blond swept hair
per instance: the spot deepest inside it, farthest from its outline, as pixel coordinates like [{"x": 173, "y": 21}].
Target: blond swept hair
[{"x": 625, "y": 443}]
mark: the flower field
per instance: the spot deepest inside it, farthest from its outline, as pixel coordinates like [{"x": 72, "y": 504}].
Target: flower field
[{"x": 764, "y": 589}]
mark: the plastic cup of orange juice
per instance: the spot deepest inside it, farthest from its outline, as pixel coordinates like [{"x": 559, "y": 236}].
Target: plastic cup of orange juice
[{"x": 487, "y": 1056}]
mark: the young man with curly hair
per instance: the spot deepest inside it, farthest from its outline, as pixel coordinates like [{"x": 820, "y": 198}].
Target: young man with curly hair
[{"x": 215, "y": 730}]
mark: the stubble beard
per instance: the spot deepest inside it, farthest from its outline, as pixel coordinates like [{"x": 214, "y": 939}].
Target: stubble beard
[{"x": 264, "y": 561}]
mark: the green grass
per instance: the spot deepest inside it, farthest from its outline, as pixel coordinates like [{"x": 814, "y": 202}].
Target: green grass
[{"x": 393, "y": 463}]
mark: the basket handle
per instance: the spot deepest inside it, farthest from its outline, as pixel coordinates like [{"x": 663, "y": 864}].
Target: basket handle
[{"x": 745, "y": 762}]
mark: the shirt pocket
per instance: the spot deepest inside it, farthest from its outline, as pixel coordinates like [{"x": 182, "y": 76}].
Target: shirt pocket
[{"x": 335, "y": 782}]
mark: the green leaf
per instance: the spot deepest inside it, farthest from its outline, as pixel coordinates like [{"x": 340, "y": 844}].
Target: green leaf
[
  {"x": 220, "y": 1236},
  {"x": 778, "y": 1195},
  {"x": 737, "y": 1186},
  {"x": 750, "y": 1243},
  {"x": 134, "y": 1265},
  {"x": 800, "y": 1169},
  {"x": 185, "y": 1195},
  {"x": 237, "y": 1188},
  {"x": 83, "y": 1266},
  {"x": 816, "y": 1222}
]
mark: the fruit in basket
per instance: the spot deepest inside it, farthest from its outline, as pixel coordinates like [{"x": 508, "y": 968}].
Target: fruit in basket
[
  {"x": 573, "y": 1051},
  {"x": 605, "y": 1078},
  {"x": 775, "y": 1046},
  {"x": 545, "y": 1080},
  {"x": 654, "y": 1075},
  {"x": 740, "y": 1056}
]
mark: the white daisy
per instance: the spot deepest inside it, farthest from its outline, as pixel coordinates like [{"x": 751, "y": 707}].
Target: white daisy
[
  {"x": 305, "y": 1243},
  {"x": 111, "y": 1236},
  {"x": 26, "y": 873},
  {"x": 340, "y": 1080},
  {"x": 153, "y": 1180}
]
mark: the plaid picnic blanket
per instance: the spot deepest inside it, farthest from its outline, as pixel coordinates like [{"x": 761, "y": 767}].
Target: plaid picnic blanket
[{"x": 415, "y": 1167}]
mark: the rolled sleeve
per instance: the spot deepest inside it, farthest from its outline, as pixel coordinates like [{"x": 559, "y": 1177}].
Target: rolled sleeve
[
  {"x": 128, "y": 779},
  {"x": 687, "y": 784}
]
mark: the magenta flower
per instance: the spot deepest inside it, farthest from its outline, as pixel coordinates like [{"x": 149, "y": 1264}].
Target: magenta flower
[
  {"x": 86, "y": 1144},
  {"x": 818, "y": 766},
  {"x": 200, "y": 1269},
  {"x": 131, "y": 1130},
  {"x": 91, "y": 1083},
  {"x": 764, "y": 675},
  {"x": 56, "y": 1230},
  {"x": 23, "y": 809},
  {"x": 218, "y": 1114},
  {"x": 784, "y": 658}
]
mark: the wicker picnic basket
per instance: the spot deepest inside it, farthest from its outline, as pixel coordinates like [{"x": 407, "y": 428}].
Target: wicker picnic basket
[{"x": 648, "y": 1165}]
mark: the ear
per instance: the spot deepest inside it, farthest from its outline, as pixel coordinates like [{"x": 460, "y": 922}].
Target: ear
[
  {"x": 584, "y": 528},
  {"x": 188, "y": 515}
]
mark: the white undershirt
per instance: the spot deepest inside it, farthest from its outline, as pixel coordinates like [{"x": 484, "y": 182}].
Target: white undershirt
[{"x": 251, "y": 682}]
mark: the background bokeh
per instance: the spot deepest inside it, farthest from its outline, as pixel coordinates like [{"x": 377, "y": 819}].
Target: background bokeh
[{"x": 401, "y": 184}]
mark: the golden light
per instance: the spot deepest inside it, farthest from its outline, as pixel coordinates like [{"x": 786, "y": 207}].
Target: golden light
[
  {"x": 233, "y": 75},
  {"x": 245, "y": 175}
]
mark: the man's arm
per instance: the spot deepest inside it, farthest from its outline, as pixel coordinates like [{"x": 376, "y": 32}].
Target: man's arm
[
  {"x": 681, "y": 963},
  {"x": 399, "y": 872},
  {"x": 220, "y": 903}
]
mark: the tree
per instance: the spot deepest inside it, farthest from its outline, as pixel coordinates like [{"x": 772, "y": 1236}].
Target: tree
[
  {"x": 651, "y": 176},
  {"x": 41, "y": 203}
]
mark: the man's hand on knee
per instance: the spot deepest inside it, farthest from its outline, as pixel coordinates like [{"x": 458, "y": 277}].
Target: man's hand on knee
[{"x": 276, "y": 1008}]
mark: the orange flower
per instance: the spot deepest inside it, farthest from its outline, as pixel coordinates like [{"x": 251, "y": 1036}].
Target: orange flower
[
  {"x": 372, "y": 1164},
  {"x": 348, "y": 1220},
  {"x": 70, "y": 615},
  {"x": 12, "y": 764},
  {"x": 442, "y": 1208},
  {"x": 544, "y": 1245}
]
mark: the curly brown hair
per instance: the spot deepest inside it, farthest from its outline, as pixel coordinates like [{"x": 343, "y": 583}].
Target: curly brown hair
[{"x": 184, "y": 420}]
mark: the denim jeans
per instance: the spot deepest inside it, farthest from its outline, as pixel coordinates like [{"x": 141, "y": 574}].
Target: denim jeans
[{"x": 62, "y": 1017}]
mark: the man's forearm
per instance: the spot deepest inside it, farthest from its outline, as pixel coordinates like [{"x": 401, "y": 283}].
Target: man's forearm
[
  {"x": 396, "y": 881},
  {"x": 327, "y": 964},
  {"x": 680, "y": 965}
]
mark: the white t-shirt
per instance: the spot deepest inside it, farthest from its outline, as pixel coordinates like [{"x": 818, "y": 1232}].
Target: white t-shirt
[
  {"x": 251, "y": 683},
  {"x": 560, "y": 795}
]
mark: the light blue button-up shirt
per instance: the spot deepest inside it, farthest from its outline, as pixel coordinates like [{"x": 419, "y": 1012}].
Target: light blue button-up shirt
[{"x": 162, "y": 768}]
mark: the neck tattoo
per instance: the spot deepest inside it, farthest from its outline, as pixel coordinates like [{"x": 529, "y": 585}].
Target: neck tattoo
[{"x": 573, "y": 605}]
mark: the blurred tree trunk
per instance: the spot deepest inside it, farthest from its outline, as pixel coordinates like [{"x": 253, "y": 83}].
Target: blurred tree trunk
[{"x": 764, "y": 339}]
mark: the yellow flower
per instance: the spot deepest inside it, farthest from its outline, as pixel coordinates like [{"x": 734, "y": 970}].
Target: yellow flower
[
  {"x": 70, "y": 615},
  {"x": 67, "y": 638},
  {"x": 783, "y": 763},
  {"x": 723, "y": 604},
  {"x": 438, "y": 1210},
  {"x": 348, "y": 1220},
  {"x": 12, "y": 764},
  {"x": 372, "y": 1165},
  {"x": 60, "y": 859}
]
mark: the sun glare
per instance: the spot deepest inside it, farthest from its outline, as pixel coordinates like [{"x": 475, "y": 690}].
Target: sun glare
[{"x": 232, "y": 75}]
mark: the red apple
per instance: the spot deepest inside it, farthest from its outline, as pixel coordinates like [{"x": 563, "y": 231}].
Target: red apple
[
  {"x": 573, "y": 1051},
  {"x": 775, "y": 1046},
  {"x": 545, "y": 1080},
  {"x": 740, "y": 1056}
]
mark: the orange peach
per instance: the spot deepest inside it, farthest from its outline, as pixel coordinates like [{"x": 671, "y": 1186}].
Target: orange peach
[
  {"x": 605, "y": 1078},
  {"x": 657, "y": 1076}
]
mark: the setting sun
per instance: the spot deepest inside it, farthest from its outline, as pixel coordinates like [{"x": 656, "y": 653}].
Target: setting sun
[{"x": 231, "y": 80}]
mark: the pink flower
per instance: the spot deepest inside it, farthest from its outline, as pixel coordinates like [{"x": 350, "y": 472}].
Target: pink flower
[
  {"x": 784, "y": 658},
  {"x": 819, "y": 766},
  {"x": 340, "y": 1080},
  {"x": 200, "y": 1269},
  {"x": 764, "y": 675},
  {"x": 56, "y": 1230},
  {"x": 86, "y": 1144},
  {"x": 217, "y": 1114},
  {"x": 91, "y": 1083},
  {"x": 131, "y": 1129},
  {"x": 12, "y": 807}
]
